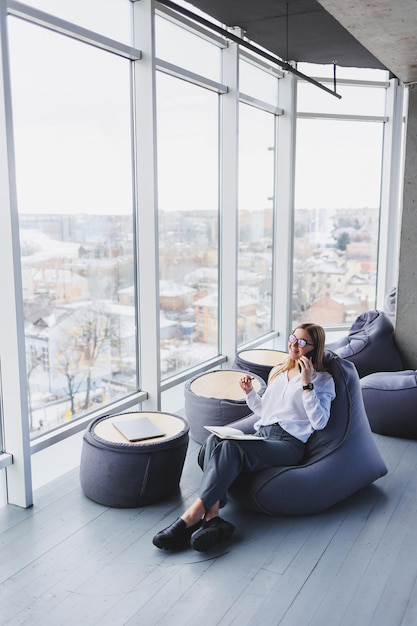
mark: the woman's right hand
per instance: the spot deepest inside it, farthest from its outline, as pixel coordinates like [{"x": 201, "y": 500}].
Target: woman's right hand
[{"x": 246, "y": 383}]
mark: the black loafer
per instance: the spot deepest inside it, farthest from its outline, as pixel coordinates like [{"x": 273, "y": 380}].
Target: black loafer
[
  {"x": 176, "y": 536},
  {"x": 211, "y": 533}
]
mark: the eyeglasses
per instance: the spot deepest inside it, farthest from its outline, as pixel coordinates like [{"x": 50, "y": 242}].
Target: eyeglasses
[{"x": 301, "y": 342}]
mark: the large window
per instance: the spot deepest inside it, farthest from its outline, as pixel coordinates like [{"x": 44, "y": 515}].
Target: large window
[
  {"x": 170, "y": 135},
  {"x": 256, "y": 197},
  {"x": 337, "y": 205},
  {"x": 187, "y": 124},
  {"x": 72, "y": 128}
]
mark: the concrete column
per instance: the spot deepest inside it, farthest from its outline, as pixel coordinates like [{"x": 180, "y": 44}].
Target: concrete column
[{"x": 406, "y": 330}]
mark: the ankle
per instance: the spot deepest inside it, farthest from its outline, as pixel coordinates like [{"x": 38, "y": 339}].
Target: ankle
[
  {"x": 212, "y": 512},
  {"x": 190, "y": 519}
]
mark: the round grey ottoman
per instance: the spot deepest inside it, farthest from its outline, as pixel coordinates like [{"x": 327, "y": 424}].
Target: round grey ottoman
[
  {"x": 121, "y": 473},
  {"x": 259, "y": 361},
  {"x": 216, "y": 399},
  {"x": 390, "y": 400}
]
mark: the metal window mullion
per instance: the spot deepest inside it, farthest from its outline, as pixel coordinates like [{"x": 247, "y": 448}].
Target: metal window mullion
[
  {"x": 342, "y": 117},
  {"x": 58, "y": 25},
  {"x": 389, "y": 226},
  {"x": 350, "y": 82},
  {"x": 196, "y": 370},
  {"x": 62, "y": 432},
  {"x": 147, "y": 207},
  {"x": 5, "y": 460},
  {"x": 284, "y": 210},
  {"x": 229, "y": 203},
  {"x": 191, "y": 77},
  {"x": 12, "y": 340},
  {"x": 260, "y": 104}
]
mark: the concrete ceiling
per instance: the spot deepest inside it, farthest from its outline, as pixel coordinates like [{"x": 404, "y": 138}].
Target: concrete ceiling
[
  {"x": 377, "y": 33},
  {"x": 387, "y": 29}
]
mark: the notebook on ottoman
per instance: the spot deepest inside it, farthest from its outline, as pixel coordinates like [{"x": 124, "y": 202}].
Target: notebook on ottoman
[{"x": 138, "y": 429}]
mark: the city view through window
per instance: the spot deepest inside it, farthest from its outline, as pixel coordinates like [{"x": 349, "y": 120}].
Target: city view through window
[
  {"x": 73, "y": 149},
  {"x": 188, "y": 165},
  {"x": 337, "y": 198},
  {"x": 73, "y": 146},
  {"x": 336, "y": 221}
]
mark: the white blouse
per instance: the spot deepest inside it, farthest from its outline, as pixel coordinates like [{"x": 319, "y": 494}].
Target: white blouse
[{"x": 284, "y": 402}]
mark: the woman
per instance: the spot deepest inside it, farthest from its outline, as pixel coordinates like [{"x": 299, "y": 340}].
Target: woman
[{"x": 296, "y": 403}]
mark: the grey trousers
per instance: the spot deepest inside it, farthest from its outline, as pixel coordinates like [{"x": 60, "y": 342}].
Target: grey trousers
[{"x": 225, "y": 459}]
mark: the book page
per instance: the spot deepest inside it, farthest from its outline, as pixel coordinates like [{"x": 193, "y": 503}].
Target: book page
[{"x": 228, "y": 432}]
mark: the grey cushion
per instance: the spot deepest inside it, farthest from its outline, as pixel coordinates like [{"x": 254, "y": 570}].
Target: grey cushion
[
  {"x": 339, "y": 460},
  {"x": 390, "y": 400},
  {"x": 370, "y": 345}
]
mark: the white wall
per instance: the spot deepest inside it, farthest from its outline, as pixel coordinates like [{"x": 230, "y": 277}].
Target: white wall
[{"x": 56, "y": 460}]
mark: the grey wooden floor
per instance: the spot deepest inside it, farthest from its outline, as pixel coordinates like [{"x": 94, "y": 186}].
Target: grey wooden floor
[{"x": 68, "y": 560}]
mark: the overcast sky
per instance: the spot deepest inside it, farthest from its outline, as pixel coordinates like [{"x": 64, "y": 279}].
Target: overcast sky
[{"x": 72, "y": 134}]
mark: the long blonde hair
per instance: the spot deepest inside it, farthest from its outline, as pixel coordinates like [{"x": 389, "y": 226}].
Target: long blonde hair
[{"x": 318, "y": 337}]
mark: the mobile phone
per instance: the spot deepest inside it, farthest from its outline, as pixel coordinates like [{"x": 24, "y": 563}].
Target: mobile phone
[{"x": 312, "y": 355}]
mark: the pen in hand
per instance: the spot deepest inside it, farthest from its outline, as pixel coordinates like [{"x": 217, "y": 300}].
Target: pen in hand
[{"x": 246, "y": 383}]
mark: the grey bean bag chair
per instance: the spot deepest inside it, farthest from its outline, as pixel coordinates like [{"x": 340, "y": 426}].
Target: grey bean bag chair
[
  {"x": 339, "y": 460},
  {"x": 370, "y": 345},
  {"x": 390, "y": 400},
  {"x": 390, "y": 305}
]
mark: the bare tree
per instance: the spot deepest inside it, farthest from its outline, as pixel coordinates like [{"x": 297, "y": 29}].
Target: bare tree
[
  {"x": 33, "y": 359},
  {"x": 68, "y": 363},
  {"x": 95, "y": 333},
  {"x": 82, "y": 345}
]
